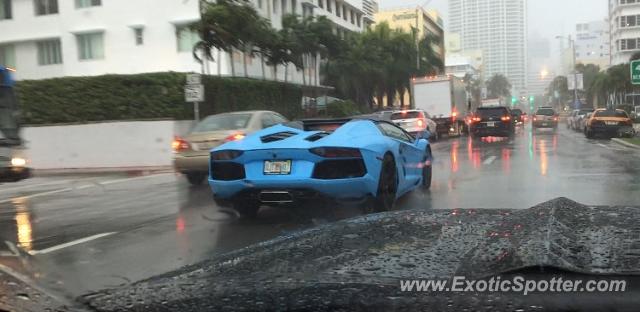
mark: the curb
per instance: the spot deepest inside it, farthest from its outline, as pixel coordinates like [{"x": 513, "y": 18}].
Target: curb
[
  {"x": 131, "y": 171},
  {"x": 622, "y": 142}
]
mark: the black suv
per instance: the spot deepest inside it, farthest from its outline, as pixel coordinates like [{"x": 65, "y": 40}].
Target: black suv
[{"x": 492, "y": 121}]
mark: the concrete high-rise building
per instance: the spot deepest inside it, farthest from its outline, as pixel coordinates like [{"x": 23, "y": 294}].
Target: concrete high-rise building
[
  {"x": 426, "y": 22},
  {"x": 499, "y": 29},
  {"x": 539, "y": 64},
  {"x": 592, "y": 43},
  {"x": 55, "y": 38},
  {"x": 624, "y": 28}
]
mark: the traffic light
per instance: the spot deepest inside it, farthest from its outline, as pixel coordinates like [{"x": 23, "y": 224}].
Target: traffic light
[
  {"x": 532, "y": 101},
  {"x": 514, "y": 100}
]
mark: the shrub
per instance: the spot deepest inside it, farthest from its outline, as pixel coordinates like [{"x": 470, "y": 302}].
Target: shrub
[
  {"x": 342, "y": 109},
  {"x": 147, "y": 96}
]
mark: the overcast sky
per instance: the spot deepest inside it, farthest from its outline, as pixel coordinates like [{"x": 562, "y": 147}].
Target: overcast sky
[{"x": 546, "y": 17}]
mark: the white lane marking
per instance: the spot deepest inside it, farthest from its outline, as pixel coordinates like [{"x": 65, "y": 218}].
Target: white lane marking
[
  {"x": 68, "y": 189},
  {"x": 602, "y": 145},
  {"x": 69, "y": 244},
  {"x": 9, "y": 200},
  {"x": 489, "y": 160},
  {"x": 4, "y": 190}
]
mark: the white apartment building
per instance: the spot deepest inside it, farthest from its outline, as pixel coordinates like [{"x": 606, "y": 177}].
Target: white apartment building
[
  {"x": 592, "y": 43},
  {"x": 624, "y": 26},
  {"x": 56, "y": 38},
  {"x": 499, "y": 29}
]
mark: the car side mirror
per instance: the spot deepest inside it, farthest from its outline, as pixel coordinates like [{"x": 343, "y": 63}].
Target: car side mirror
[{"x": 421, "y": 143}]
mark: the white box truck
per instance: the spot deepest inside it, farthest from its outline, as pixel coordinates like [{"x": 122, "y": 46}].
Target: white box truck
[{"x": 444, "y": 98}]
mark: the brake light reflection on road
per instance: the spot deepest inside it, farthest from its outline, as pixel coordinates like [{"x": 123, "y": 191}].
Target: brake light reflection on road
[
  {"x": 454, "y": 156},
  {"x": 23, "y": 224},
  {"x": 543, "y": 158},
  {"x": 506, "y": 160}
]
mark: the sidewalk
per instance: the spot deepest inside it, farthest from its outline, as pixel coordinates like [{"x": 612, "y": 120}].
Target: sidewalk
[{"x": 628, "y": 142}]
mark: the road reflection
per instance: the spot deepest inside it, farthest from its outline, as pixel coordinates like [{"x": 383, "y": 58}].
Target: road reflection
[
  {"x": 23, "y": 224},
  {"x": 455, "y": 146}
]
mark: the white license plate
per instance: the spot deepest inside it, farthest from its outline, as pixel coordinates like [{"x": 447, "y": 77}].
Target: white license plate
[
  {"x": 491, "y": 124},
  {"x": 277, "y": 166},
  {"x": 611, "y": 123}
]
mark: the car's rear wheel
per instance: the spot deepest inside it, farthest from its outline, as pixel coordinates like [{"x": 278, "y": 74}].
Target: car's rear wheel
[
  {"x": 387, "y": 185},
  {"x": 426, "y": 177},
  {"x": 588, "y": 133},
  {"x": 247, "y": 209},
  {"x": 196, "y": 178}
]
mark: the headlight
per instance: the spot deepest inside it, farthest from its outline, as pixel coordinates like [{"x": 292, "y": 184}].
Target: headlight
[{"x": 18, "y": 162}]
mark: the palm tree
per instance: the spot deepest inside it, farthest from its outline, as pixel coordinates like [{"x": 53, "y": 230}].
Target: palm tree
[{"x": 499, "y": 86}]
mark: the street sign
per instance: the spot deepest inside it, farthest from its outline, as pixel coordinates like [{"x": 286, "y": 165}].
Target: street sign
[
  {"x": 571, "y": 81},
  {"x": 194, "y": 79},
  {"x": 194, "y": 93},
  {"x": 635, "y": 72}
]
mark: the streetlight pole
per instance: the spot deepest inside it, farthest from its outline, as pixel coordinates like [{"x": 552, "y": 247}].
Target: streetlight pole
[{"x": 575, "y": 73}]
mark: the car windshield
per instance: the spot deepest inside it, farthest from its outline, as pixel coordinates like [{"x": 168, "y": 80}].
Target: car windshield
[
  {"x": 223, "y": 122},
  {"x": 545, "y": 112},
  {"x": 406, "y": 115},
  {"x": 611, "y": 113},
  {"x": 318, "y": 155}
]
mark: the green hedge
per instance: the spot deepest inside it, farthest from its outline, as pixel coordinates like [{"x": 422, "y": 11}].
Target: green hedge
[
  {"x": 342, "y": 109},
  {"x": 147, "y": 96}
]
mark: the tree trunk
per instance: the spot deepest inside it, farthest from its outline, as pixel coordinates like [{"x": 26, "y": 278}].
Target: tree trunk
[
  {"x": 232, "y": 64},
  {"x": 274, "y": 72},
  {"x": 380, "y": 97},
  {"x": 286, "y": 73},
  {"x": 219, "y": 63},
  {"x": 304, "y": 75},
  {"x": 244, "y": 63},
  {"x": 401, "y": 93},
  {"x": 264, "y": 75}
]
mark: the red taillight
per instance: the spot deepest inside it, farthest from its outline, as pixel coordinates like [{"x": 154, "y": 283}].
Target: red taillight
[
  {"x": 476, "y": 119},
  {"x": 555, "y": 118},
  {"x": 524, "y": 118},
  {"x": 337, "y": 152},
  {"x": 235, "y": 137},
  {"x": 534, "y": 118},
  {"x": 505, "y": 118},
  {"x": 179, "y": 144},
  {"x": 420, "y": 123}
]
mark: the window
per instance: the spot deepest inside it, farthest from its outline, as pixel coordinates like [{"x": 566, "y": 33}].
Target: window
[
  {"x": 267, "y": 120},
  {"x": 338, "y": 11},
  {"x": 260, "y": 4},
  {"x": 87, "y": 3},
  {"x": 353, "y": 18},
  {"x": 279, "y": 118},
  {"x": 90, "y": 46},
  {"x": 394, "y": 132},
  {"x": 8, "y": 55},
  {"x": 45, "y": 7},
  {"x": 329, "y": 5},
  {"x": 139, "y": 34},
  {"x": 344, "y": 13},
  {"x": 283, "y": 7},
  {"x": 275, "y": 6},
  {"x": 49, "y": 52},
  {"x": 321, "y": 4},
  {"x": 294, "y": 6},
  {"x": 187, "y": 38},
  {"x": 5, "y": 9}
]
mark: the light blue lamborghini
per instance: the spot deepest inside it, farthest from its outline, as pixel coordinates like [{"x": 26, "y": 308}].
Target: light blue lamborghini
[{"x": 367, "y": 161}]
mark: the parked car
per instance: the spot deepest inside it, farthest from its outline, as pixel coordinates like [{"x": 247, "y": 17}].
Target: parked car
[
  {"x": 191, "y": 152},
  {"x": 609, "y": 122},
  {"x": 350, "y": 160},
  {"x": 492, "y": 121},
  {"x": 416, "y": 122},
  {"x": 545, "y": 117},
  {"x": 574, "y": 120},
  {"x": 385, "y": 115}
]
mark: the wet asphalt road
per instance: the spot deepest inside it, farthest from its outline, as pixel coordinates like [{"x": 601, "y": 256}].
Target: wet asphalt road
[{"x": 77, "y": 234}]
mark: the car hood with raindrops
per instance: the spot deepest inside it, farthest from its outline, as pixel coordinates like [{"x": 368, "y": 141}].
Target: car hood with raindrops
[{"x": 357, "y": 264}]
